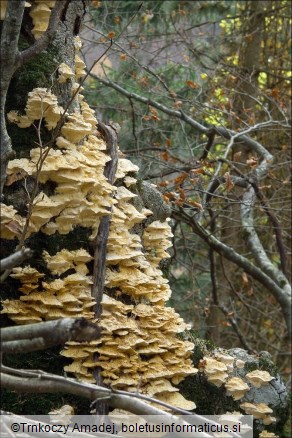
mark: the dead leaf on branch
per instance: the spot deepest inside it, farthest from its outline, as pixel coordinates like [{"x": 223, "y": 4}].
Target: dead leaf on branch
[
  {"x": 229, "y": 182},
  {"x": 181, "y": 178}
]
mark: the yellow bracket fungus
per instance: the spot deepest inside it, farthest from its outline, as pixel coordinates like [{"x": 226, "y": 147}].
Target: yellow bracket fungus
[
  {"x": 236, "y": 387},
  {"x": 259, "y": 378},
  {"x": 40, "y": 13},
  {"x": 139, "y": 345},
  {"x": 65, "y": 73}
]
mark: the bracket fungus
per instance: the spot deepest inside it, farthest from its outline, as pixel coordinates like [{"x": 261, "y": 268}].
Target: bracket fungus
[
  {"x": 266, "y": 434},
  {"x": 215, "y": 371},
  {"x": 125, "y": 166},
  {"x": 40, "y": 13},
  {"x": 226, "y": 359},
  {"x": 79, "y": 67},
  {"x": 59, "y": 298},
  {"x": 139, "y": 346},
  {"x": 65, "y": 73},
  {"x": 139, "y": 343},
  {"x": 236, "y": 387},
  {"x": 76, "y": 128},
  {"x": 259, "y": 378},
  {"x": 11, "y": 222},
  {"x": 64, "y": 260},
  {"x": 239, "y": 364},
  {"x": 260, "y": 411},
  {"x": 41, "y": 104}
]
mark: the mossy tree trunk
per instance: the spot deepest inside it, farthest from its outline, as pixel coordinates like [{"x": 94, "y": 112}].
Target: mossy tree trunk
[{"x": 28, "y": 63}]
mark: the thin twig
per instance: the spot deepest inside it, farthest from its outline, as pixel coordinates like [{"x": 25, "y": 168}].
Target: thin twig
[
  {"x": 57, "y": 331},
  {"x": 15, "y": 259},
  {"x": 229, "y": 253},
  {"x": 42, "y": 382},
  {"x": 134, "y": 127}
]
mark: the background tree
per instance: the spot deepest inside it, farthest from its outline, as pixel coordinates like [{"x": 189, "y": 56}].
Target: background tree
[{"x": 203, "y": 93}]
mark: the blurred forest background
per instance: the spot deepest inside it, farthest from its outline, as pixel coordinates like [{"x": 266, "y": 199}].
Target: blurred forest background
[{"x": 179, "y": 77}]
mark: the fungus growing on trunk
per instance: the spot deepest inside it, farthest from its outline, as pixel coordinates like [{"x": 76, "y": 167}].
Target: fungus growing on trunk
[{"x": 139, "y": 346}]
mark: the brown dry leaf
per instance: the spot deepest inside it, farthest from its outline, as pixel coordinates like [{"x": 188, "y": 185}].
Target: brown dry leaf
[
  {"x": 192, "y": 84},
  {"x": 15, "y": 227},
  {"x": 165, "y": 156},
  {"x": 12, "y": 178},
  {"x": 229, "y": 182},
  {"x": 195, "y": 204},
  {"x": 198, "y": 170},
  {"x": 252, "y": 162},
  {"x": 181, "y": 178},
  {"x": 244, "y": 279},
  {"x": 236, "y": 156}
]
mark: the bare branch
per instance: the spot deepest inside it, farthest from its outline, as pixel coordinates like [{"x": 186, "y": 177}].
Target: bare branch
[
  {"x": 255, "y": 244},
  {"x": 26, "y": 345},
  {"x": 5, "y": 429},
  {"x": 211, "y": 137},
  {"x": 281, "y": 296},
  {"x": 221, "y": 306},
  {"x": 40, "y": 382},
  {"x": 100, "y": 241},
  {"x": 154, "y": 104},
  {"x": 15, "y": 259},
  {"x": 220, "y": 130},
  {"x": 145, "y": 67},
  {"x": 276, "y": 227},
  {"x": 34, "y": 337}
]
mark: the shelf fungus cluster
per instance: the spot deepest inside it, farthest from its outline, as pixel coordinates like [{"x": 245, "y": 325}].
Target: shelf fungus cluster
[
  {"x": 82, "y": 194},
  {"x": 40, "y": 13},
  {"x": 266, "y": 434},
  {"x": 226, "y": 371},
  {"x": 43, "y": 300},
  {"x": 260, "y": 411},
  {"x": 139, "y": 347}
]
